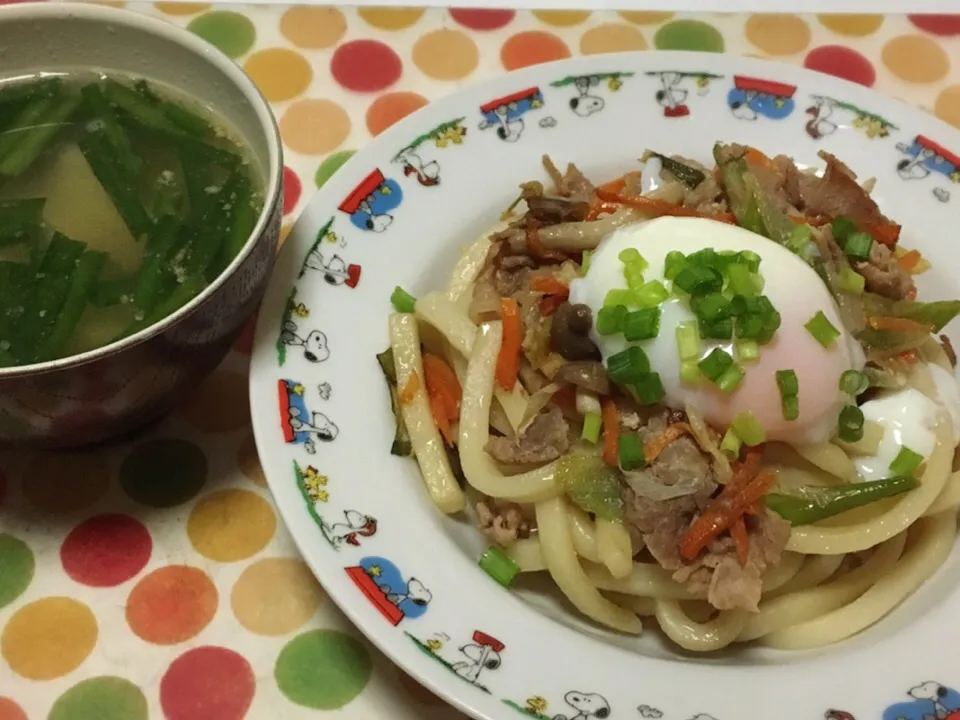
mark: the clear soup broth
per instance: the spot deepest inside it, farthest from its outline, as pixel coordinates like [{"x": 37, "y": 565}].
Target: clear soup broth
[{"x": 120, "y": 200}]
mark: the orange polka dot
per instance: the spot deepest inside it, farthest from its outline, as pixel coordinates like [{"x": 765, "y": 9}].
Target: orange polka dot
[
  {"x": 171, "y": 604},
  {"x": 231, "y": 525},
  {"x": 280, "y": 74},
  {"x": 916, "y": 59},
  {"x": 48, "y": 638},
  {"x": 45, "y": 488},
  {"x": 219, "y": 404},
  {"x": 562, "y": 18},
  {"x": 641, "y": 17},
  {"x": 778, "y": 34},
  {"x": 249, "y": 462},
  {"x": 9, "y": 710},
  {"x": 313, "y": 127},
  {"x": 446, "y": 54},
  {"x": 849, "y": 24},
  {"x": 284, "y": 232},
  {"x": 181, "y": 8},
  {"x": 947, "y": 107},
  {"x": 312, "y": 27},
  {"x": 275, "y": 596},
  {"x": 391, "y": 108},
  {"x": 390, "y": 18},
  {"x": 611, "y": 37},
  {"x": 532, "y": 48}
]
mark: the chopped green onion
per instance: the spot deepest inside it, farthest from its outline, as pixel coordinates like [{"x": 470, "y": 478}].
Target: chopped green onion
[
  {"x": 592, "y": 423},
  {"x": 712, "y": 306},
  {"x": 843, "y": 227},
  {"x": 642, "y": 324},
  {"x": 585, "y": 263},
  {"x": 498, "y": 565},
  {"x": 790, "y": 407},
  {"x": 822, "y": 329},
  {"x": 628, "y": 366},
  {"x": 674, "y": 262},
  {"x": 690, "y": 372},
  {"x": 650, "y": 294},
  {"x": 858, "y": 245},
  {"x": 853, "y": 382},
  {"x": 730, "y": 445},
  {"x": 610, "y": 320},
  {"x": 697, "y": 280},
  {"x": 649, "y": 388},
  {"x": 850, "y": 427},
  {"x": 720, "y": 329},
  {"x": 747, "y": 351},
  {"x": 750, "y": 259},
  {"x": 716, "y": 364},
  {"x": 634, "y": 276},
  {"x": 849, "y": 280},
  {"x": 748, "y": 428},
  {"x": 618, "y": 296},
  {"x": 630, "y": 451},
  {"x": 800, "y": 238},
  {"x": 906, "y": 462},
  {"x": 741, "y": 281},
  {"x": 705, "y": 258},
  {"x": 402, "y": 300},
  {"x": 810, "y": 504},
  {"x": 688, "y": 340},
  {"x": 788, "y": 383},
  {"x": 632, "y": 256},
  {"x": 730, "y": 379}
]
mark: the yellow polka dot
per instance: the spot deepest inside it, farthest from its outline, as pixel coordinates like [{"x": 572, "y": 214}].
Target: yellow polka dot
[
  {"x": 181, "y": 8},
  {"x": 284, "y": 232},
  {"x": 249, "y": 462},
  {"x": 313, "y": 27},
  {"x": 48, "y": 638},
  {"x": 778, "y": 34},
  {"x": 446, "y": 54},
  {"x": 220, "y": 403},
  {"x": 279, "y": 73},
  {"x": 916, "y": 59},
  {"x": 313, "y": 127},
  {"x": 231, "y": 525},
  {"x": 849, "y": 24},
  {"x": 275, "y": 596},
  {"x": 562, "y": 18},
  {"x": 948, "y": 105},
  {"x": 65, "y": 482},
  {"x": 641, "y": 17},
  {"x": 611, "y": 37},
  {"x": 390, "y": 18}
]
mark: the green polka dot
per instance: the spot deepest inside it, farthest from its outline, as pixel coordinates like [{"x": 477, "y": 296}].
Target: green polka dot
[
  {"x": 333, "y": 163},
  {"x": 689, "y": 35},
  {"x": 323, "y": 669},
  {"x": 16, "y": 568},
  {"x": 163, "y": 473},
  {"x": 103, "y": 698},
  {"x": 231, "y": 32}
]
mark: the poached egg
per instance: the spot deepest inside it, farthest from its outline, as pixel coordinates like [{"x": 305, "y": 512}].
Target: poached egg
[{"x": 793, "y": 288}]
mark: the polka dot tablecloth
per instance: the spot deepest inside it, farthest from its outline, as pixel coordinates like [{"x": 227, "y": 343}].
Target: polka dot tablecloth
[{"x": 154, "y": 578}]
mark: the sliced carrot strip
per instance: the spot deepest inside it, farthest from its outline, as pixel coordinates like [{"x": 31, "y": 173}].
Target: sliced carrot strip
[
  {"x": 756, "y": 157},
  {"x": 653, "y": 447},
  {"x": 661, "y": 207},
  {"x": 908, "y": 356},
  {"x": 741, "y": 541},
  {"x": 611, "y": 432},
  {"x": 410, "y": 389},
  {"x": 722, "y": 513},
  {"x": 549, "y": 284},
  {"x": 442, "y": 382},
  {"x": 508, "y": 361},
  {"x": 439, "y": 412},
  {"x": 614, "y": 186},
  {"x": 908, "y": 261},
  {"x": 887, "y": 233},
  {"x": 896, "y": 324},
  {"x": 550, "y": 303}
]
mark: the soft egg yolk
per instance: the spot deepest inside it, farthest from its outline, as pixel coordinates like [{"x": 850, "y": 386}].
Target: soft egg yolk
[{"x": 793, "y": 288}]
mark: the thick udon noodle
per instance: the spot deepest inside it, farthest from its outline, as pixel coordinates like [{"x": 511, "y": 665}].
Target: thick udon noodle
[{"x": 814, "y": 596}]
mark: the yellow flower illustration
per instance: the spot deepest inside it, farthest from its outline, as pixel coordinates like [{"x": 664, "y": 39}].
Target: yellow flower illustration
[
  {"x": 955, "y": 176},
  {"x": 440, "y": 141},
  {"x": 536, "y": 103},
  {"x": 375, "y": 571},
  {"x": 301, "y": 310},
  {"x": 298, "y": 389},
  {"x": 702, "y": 81},
  {"x": 385, "y": 190},
  {"x": 331, "y": 237},
  {"x": 614, "y": 83},
  {"x": 536, "y": 705},
  {"x": 434, "y": 645}
]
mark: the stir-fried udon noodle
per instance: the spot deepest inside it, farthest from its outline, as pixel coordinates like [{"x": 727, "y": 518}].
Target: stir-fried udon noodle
[{"x": 702, "y": 397}]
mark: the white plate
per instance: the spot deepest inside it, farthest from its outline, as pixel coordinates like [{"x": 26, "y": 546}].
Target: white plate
[{"x": 422, "y": 206}]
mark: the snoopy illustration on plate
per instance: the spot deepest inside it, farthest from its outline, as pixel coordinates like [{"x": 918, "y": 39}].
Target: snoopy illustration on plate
[
  {"x": 930, "y": 701},
  {"x": 924, "y": 157},
  {"x": 586, "y": 706},
  {"x": 313, "y": 344},
  {"x": 427, "y": 171},
  {"x": 827, "y": 115},
  {"x": 356, "y": 525},
  {"x": 672, "y": 96},
  {"x": 506, "y": 113},
  {"x": 751, "y": 98},
  {"x": 370, "y": 203},
  {"x": 588, "y": 99},
  {"x": 385, "y": 587},
  {"x": 481, "y": 654},
  {"x": 297, "y": 429}
]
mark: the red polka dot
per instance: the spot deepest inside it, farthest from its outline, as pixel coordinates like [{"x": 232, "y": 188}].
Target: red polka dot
[
  {"x": 481, "y": 18},
  {"x": 365, "y": 66},
  {"x": 937, "y": 24},
  {"x": 9, "y": 710},
  {"x": 291, "y": 190},
  {"x": 841, "y": 62},
  {"x": 244, "y": 343},
  {"x": 207, "y": 682},
  {"x": 532, "y": 48},
  {"x": 106, "y": 550},
  {"x": 391, "y": 108}
]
